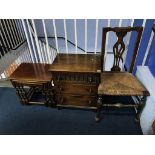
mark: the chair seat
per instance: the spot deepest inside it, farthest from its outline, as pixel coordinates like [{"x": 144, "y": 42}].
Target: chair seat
[{"x": 121, "y": 83}]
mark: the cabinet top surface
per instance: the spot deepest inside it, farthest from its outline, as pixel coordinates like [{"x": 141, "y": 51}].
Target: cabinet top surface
[
  {"x": 89, "y": 63},
  {"x": 31, "y": 71}
]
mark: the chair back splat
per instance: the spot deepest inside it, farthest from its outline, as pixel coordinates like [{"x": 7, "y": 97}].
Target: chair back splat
[{"x": 119, "y": 47}]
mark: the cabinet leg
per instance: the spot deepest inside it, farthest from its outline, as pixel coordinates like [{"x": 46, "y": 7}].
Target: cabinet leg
[
  {"x": 47, "y": 91},
  {"x": 99, "y": 107},
  {"x": 140, "y": 109}
]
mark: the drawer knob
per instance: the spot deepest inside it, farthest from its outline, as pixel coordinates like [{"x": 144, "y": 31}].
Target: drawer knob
[
  {"x": 90, "y": 102},
  {"x": 90, "y": 79}
]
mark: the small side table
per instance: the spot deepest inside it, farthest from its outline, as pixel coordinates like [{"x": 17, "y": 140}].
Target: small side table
[{"x": 33, "y": 84}]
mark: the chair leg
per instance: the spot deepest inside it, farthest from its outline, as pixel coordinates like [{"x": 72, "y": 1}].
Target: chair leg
[
  {"x": 99, "y": 107},
  {"x": 140, "y": 109}
]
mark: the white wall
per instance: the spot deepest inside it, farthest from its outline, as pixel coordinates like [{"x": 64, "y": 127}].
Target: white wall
[{"x": 148, "y": 114}]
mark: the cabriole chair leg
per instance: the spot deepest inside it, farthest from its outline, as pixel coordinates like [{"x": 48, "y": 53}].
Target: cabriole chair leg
[{"x": 99, "y": 107}]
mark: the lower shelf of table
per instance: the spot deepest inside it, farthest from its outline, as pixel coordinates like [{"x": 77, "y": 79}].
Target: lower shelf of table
[{"x": 37, "y": 98}]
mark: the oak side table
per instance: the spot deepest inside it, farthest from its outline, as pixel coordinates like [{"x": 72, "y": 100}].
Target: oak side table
[{"x": 33, "y": 84}]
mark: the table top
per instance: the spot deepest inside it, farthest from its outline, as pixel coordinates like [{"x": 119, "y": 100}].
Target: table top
[
  {"x": 31, "y": 72},
  {"x": 88, "y": 63}
]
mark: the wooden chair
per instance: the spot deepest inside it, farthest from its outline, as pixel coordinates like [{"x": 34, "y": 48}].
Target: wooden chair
[{"x": 118, "y": 83}]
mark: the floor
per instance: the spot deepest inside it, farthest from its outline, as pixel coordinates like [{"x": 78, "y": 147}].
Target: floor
[
  {"x": 35, "y": 120},
  {"x": 6, "y": 83}
]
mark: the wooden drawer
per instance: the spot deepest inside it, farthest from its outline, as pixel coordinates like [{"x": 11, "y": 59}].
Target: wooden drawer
[
  {"x": 76, "y": 77},
  {"x": 76, "y": 89},
  {"x": 76, "y": 100}
]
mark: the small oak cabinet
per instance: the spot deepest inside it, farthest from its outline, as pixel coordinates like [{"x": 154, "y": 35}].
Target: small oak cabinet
[{"x": 76, "y": 78}]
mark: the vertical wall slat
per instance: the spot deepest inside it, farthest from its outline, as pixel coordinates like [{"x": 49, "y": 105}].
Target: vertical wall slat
[
  {"x": 27, "y": 38},
  {"x": 9, "y": 27},
  {"x": 75, "y": 34},
  {"x": 106, "y": 45},
  {"x": 132, "y": 22},
  {"x": 46, "y": 55},
  {"x": 41, "y": 50},
  {"x": 47, "y": 45},
  {"x": 36, "y": 40},
  {"x": 55, "y": 35},
  {"x": 13, "y": 32},
  {"x": 85, "y": 35},
  {"x": 15, "y": 29},
  {"x": 65, "y": 30},
  {"x": 120, "y": 22},
  {"x": 96, "y": 37},
  {"x": 144, "y": 22},
  {"x": 19, "y": 30},
  {"x": 148, "y": 48},
  {"x": 143, "y": 25},
  {"x": 7, "y": 33},
  {"x": 127, "y": 45},
  {"x": 32, "y": 41},
  {"x": 22, "y": 30},
  {"x": 2, "y": 37},
  {"x": 0, "y": 51}
]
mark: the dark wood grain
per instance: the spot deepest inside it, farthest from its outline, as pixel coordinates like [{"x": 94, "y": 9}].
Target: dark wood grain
[
  {"x": 87, "y": 63},
  {"x": 76, "y": 78},
  {"x": 31, "y": 78},
  {"x": 117, "y": 82},
  {"x": 119, "y": 47},
  {"x": 31, "y": 72}
]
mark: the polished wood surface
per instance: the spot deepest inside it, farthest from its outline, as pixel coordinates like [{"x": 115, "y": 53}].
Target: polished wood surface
[
  {"x": 77, "y": 100},
  {"x": 119, "y": 47},
  {"x": 119, "y": 83},
  {"x": 76, "y": 78},
  {"x": 30, "y": 79},
  {"x": 87, "y": 63},
  {"x": 78, "y": 88},
  {"x": 30, "y": 72}
]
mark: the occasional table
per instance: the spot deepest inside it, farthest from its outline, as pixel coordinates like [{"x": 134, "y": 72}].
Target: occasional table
[{"x": 33, "y": 84}]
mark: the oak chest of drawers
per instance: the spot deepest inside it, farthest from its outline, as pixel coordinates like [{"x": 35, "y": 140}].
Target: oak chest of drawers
[{"x": 76, "y": 78}]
